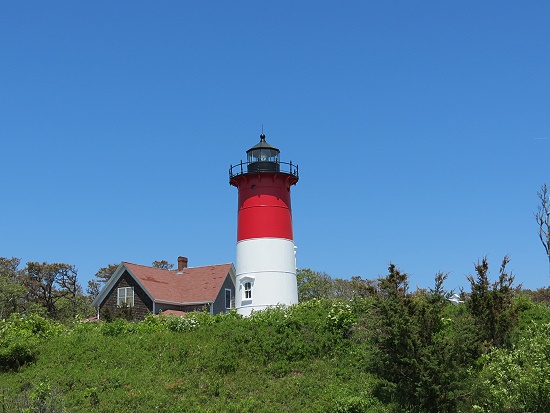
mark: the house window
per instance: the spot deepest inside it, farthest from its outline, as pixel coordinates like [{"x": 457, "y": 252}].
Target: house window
[
  {"x": 227, "y": 298},
  {"x": 125, "y": 297},
  {"x": 248, "y": 290}
]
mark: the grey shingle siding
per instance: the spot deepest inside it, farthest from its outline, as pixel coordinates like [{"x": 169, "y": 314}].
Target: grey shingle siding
[{"x": 219, "y": 303}]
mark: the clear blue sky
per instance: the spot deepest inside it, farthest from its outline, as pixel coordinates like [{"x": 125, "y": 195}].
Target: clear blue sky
[{"x": 421, "y": 129}]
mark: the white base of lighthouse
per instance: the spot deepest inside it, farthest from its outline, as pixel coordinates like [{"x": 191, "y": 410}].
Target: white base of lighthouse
[{"x": 266, "y": 274}]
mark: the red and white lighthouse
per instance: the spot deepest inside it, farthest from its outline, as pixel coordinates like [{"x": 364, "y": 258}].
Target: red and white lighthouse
[{"x": 266, "y": 258}]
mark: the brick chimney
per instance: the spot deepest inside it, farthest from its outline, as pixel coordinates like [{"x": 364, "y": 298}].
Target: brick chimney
[{"x": 182, "y": 263}]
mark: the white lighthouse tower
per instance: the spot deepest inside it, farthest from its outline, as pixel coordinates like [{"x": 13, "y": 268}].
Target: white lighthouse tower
[{"x": 266, "y": 262}]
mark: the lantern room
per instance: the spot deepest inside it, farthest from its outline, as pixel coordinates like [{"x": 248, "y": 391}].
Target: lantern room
[{"x": 262, "y": 157}]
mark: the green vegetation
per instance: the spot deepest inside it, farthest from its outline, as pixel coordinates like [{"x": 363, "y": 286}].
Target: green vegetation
[
  {"x": 381, "y": 349},
  {"x": 288, "y": 360}
]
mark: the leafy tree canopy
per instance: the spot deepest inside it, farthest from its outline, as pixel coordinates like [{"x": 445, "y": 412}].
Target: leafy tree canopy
[
  {"x": 11, "y": 290},
  {"x": 163, "y": 264}
]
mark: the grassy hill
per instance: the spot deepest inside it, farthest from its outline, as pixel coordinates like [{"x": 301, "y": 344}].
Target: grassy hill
[
  {"x": 319, "y": 356},
  {"x": 285, "y": 361}
]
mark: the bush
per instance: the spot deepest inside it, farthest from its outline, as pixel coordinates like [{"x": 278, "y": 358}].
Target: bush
[
  {"x": 292, "y": 359},
  {"x": 118, "y": 327},
  {"x": 358, "y": 404},
  {"x": 421, "y": 345},
  {"x": 19, "y": 337},
  {"x": 40, "y": 399},
  {"x": 340, "y": 319},
  {"x": 517, "y": 380},
  {"x": 182, "y": 324},
  {"x": 531, "y": 311}
]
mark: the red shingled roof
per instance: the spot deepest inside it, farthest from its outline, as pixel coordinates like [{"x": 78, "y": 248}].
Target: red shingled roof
[
  {"x": 194, "y": 285},
  {"x": 175, "y": 313}
]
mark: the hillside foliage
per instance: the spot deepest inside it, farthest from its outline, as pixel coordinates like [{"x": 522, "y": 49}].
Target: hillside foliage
[{"x": 370, "y": 346}]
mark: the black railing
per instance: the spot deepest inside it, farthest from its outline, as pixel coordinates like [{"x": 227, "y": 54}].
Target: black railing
[{"x": 263, "y": 167}]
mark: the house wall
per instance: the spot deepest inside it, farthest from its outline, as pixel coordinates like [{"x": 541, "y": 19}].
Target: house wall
[
  {"x": 186, "y": 308},
  {"x": 219, "y": 303},
  {"x": 143, "y": 305}
]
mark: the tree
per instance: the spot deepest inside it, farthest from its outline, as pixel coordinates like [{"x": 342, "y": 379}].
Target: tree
[
  {"x": 492, "y": 306},
  {"x": 318, "y": 285},
  {"x": 70, "y": 288},
  {"x": 46, "y": 284},
  {"x": 163, "y": 265},
  {"x": 101, "y": 277},
  {"x": 540, "y": 295},
  {"x": 396, "y": 335},
  {"x": 104, "y": 274},
  {"x": 93, "y": 289},
  {"x": 11, "y": 290},
  {"x": 542, "y": 216},
  {"x": 363, "y": 287},
  {"x": 313, "y": 285},
  {"x": 423, "y": 347},
  {"x": 343, "y": 289}
]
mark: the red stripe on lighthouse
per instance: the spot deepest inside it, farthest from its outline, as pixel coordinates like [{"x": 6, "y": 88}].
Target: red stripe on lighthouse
[{"x": 264, "y": 206}]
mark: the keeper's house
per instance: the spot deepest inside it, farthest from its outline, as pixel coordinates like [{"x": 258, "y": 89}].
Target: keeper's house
[{"x": 141, "y": 290}]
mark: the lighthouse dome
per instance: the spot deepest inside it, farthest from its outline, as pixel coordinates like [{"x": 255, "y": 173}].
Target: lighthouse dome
[{"x": 263, "y": 157}]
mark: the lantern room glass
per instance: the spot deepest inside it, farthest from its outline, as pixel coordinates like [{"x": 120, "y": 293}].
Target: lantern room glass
[{"x": 263, "y": 155}]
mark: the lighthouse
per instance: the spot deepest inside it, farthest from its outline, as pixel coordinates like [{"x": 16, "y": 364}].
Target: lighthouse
[{"x": 266, "y": 258}]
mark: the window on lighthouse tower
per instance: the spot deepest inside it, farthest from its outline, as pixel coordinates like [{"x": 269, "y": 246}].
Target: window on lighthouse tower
[{"x": 248, "y": 290}]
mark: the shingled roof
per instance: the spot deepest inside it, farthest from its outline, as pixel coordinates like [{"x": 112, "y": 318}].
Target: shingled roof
[{"x": 194, "y": 285}]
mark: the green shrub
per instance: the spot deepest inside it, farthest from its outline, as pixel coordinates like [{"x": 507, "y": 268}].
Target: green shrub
[
  {"x": 292, "y": 359},
  {"x": 517, "y": 380},
  {"x": 117, "y": 327},
  {"x": 358, "y": 404},
  {"x": 19, "y": 338},
  {"x": 182, "y": 324},
  {"x": 340, "y": 319},
  {"x": 106, "y": 315},
  {"x": 36, "y": 399},
  {"x": 420, "y": 345},
  {"x": 531, "y": 312}
]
